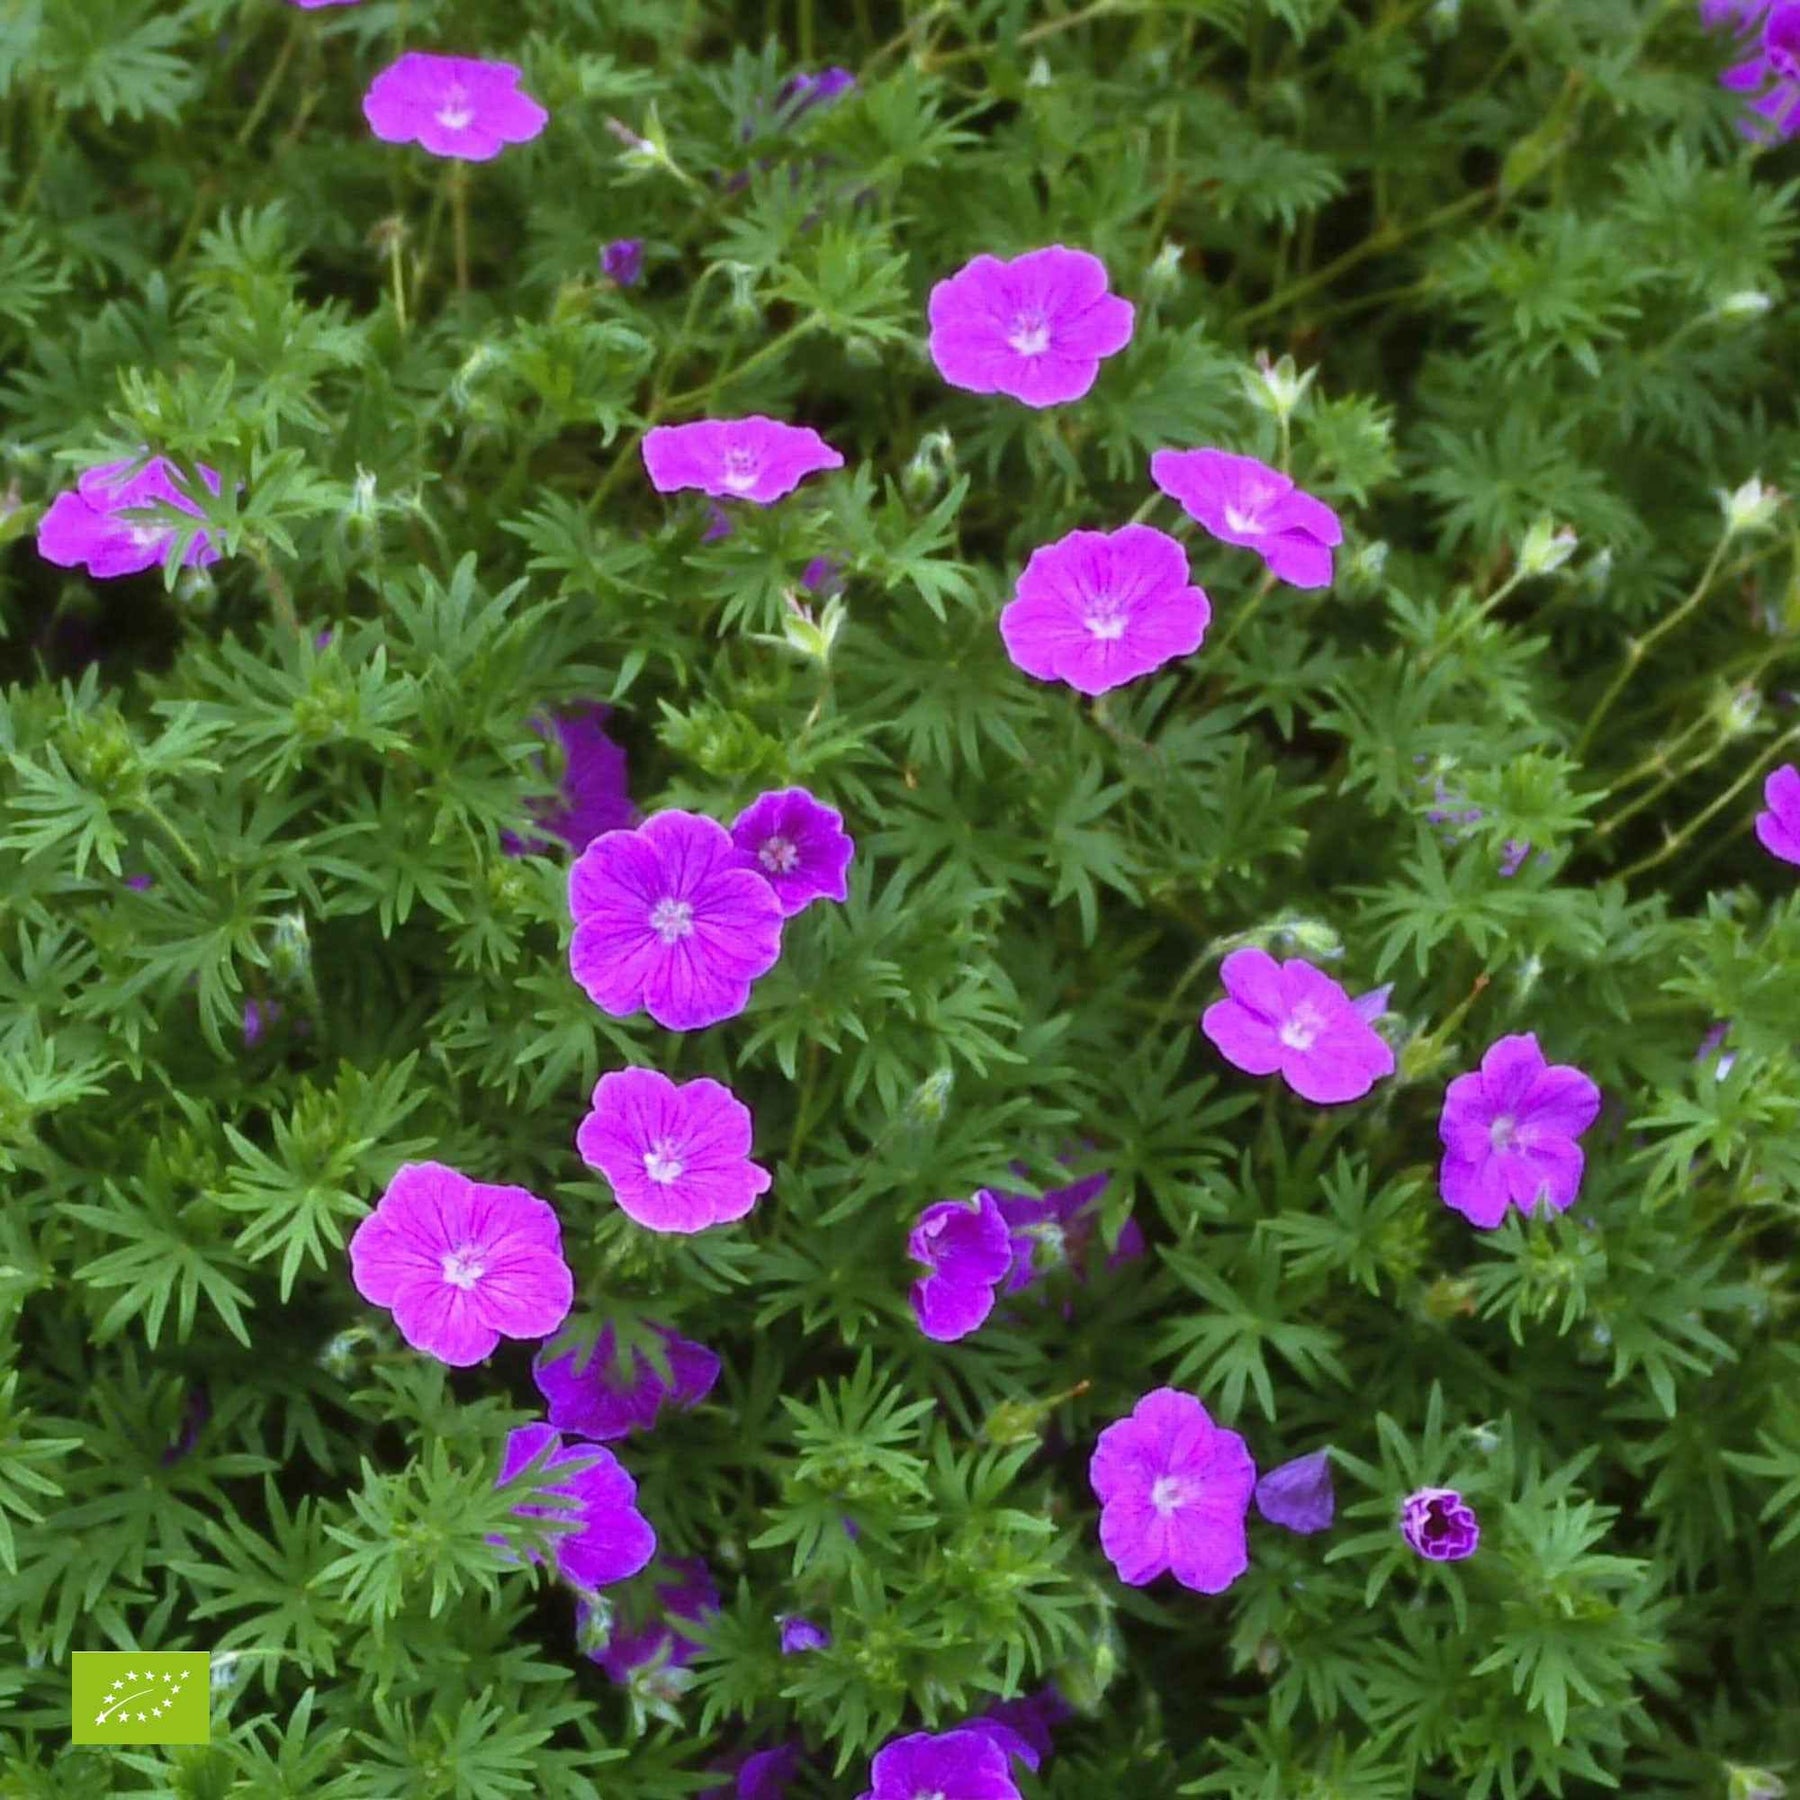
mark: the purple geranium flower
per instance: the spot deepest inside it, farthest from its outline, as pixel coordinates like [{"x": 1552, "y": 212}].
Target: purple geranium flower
[
  {"x": 689, "y": 1603},
  {"x": 1440, "y": 1524},
  {"x": 952, "y": 1765},
  {"x": 461, "y": 1264},
  {"x": 92, "y": 525},
  {"x": 1509, "y": 1133},
  {"x": 799, "y": 1635},
  {"x": 1097, "y": 609},
  {"x": 798, "y": 845},
  {"x": 968, "y": 1251},
  {"x": 801, "y": 93},
  {"x": 453, "y": 106},
  {"x": 677, "y": 1156},
  {"x": 1175, "y": 1491},
  {"x": 593, "y": 796},
  {"x": 614, "y": 1540},
  {"x": 622, "y": 261},
  {"x": 1298, "y": 1494},
  {"x": 824, "y": 574},
  {"x": 1778, "y": 829},
  {"x": 762, "y": 1775},
  {"x": 314, "y": 5},
  {"x": 1245, "y": 502},
  {"x": 591, "y": 1396},
  {"x": 1022, "y": 1727},
  {"x": 1057, "y": 1231},
  {"x": 1035, "y": 328},
  {"x": 1770, "y": 68},
  {"x": 757, "y": 459},
  {"x": 1291, "y": 1019},
  {"x": 669, "y": 920}
]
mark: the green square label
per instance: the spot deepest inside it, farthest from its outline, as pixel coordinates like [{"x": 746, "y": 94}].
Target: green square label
[{"x": 142, "y": 1697}]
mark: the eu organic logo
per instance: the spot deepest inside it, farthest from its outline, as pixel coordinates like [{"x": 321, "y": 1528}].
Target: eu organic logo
[{"x": 141, "y": 1697}]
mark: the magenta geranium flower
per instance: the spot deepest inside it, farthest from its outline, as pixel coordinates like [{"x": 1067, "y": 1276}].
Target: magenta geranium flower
[
  {"x": 1440, "y": 1524},
  {"x": 677, "y": 1156},
  {"x": 689, "y": 1603},
  {"x": 1035, "y": 328},
  {"x": 1778, "y": 829},
  {"x": 1097, "y": 608},
  {"x": 1291, "y": 1019},
  {"x": 101, "y": 523},
  {"x": 590, "y": 1395},
  {"x": 1770, "y": 65},
  {"x": 593, "y": 797},
  {"x": 1509, "y": 1132},
  {"x": 1245, "y": 502},
  {"x": 798, "y": 845},
  {"x": 314, "y": 5},
  {"x": 1175, "y": 1491},
  {"x": 1298, "y": 1495},
  {"x": 667, "y": 919},
  {"x": 461, "y": 1264},
  {"x": 613, "y": 1540},
  {"x": 757, "y": 459},
  {"x": 950, "y": 1765},
  {"x": 455, "y": 106},
  {"x": 968, "y": 1251}
]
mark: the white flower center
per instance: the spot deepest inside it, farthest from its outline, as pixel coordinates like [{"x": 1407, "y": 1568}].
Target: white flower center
[
  {"x": 1167, "y": 1494},
  {"x": 1500, "y": 1133},
  {"x": 460, "y": 1267},
  {"x": 456, "y": 111},
  {"x": 740, "y": 471},
  {"x": 1104, "y": 618},
  {"x": 144, "y": 537},
  {"x": 661, "y": 1163},
  {"x": 1030, "y": 334},
  {"x": 1248, "y": 523},
  {"x": 779, "y": 855},
  {"x": 1302, "y": 1028},
  {"x": 672, "y": 919}
]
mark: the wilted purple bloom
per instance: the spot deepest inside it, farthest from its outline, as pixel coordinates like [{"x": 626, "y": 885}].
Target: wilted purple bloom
[
  {"x": 1243, "y": 501},
  {"x": 88, "y": 526},
  {"x": 762, "y": 1775},
  {"x": 952, "y": 1765},
  {"x": 258, "y": 1016},
  {"x": 141, "y": 883},
  {"x": 968, "y": 1251},
  {"x": 455, "y": 106},
  {"x": 798, "y": 1635},
  {"x": 1175, "y": 1492},
  {"x": 1440, "y": 1524},
  {"x": 757, "y": 458},
  {"x": 1713, "y": 1045},
  {"x": 798, "y": 845},
  {"x": 1513, "y": 854},
  {"x": 667, "y": 919},
  {"x": 614, "y": 1540},
  {"x": 688, "y": 1603},
  {"x": 1022, "y": 1727},
  {"x": 1770, "y": 65},
  {"x": 822, "y": 575},
  {"x": 1778, "y": 829},
  {"x": 1057, "y": 1231},
  {"x": 677, "y": 1155},
  {"x": 1291, "y": 1019},
  {"x": 1036, "y": 328},
  {"x": 193, "y": 1415},
  {"x": 1097, "y": 609},
  {"x": 591, "y": 1396},
  {"x": 461, "y": 1263},
  {"x": 1298, "y": 1494},
  {"x": 1509, "y": 1132},
  {"x": 801, "y": 93},
  {"x": 623, "y": 261},
  {"x": 593, "y": 796}
]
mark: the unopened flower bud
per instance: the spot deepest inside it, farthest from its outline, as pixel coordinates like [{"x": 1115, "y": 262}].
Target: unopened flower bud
[
  {"x": 1038, "y": 75},
  {"x": 1750, "y": 507},
  {"x": 290, "y": 949},
  {"x": 362, "y": 515},
  {"x": 1279, "y": 387},
  {"x": 1309, "y": 938},
  {"x": 1546, "y": 548},
  {"x": 931, "y": 1099},
  {"x": 930, "y": 468},
  {"x": 1163, "y": 276},
  {"x": 813, "y": 637},
  {"x": 1739, "y": 709},
  {"x": 1747, "y": 303},
  {"x": 742, "y": 306},
  {"x": 1443, "y": 17}
]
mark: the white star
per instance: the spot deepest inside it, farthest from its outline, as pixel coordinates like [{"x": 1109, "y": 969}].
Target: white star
[
  {"x": 117, "y": 1684},
  {"x": 140, "y": 1718},
  {"x": 100, "y": 1719},
  {"x": 131, "y": 1674},
  {"x": 168, "y": 1677}
]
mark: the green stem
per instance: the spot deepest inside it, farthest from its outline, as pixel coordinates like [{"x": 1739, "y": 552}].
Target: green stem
[
  {"x": 459, "y": 224},
  {"x": 1500, "y": 594},
  {"x": 1639, "y": 648},
  {"x": 1244, "y": 614},
  {"x": 271, "y": 85},
  {"x": 279, "y": 597},
  {"x": 1675, "y": 843}
]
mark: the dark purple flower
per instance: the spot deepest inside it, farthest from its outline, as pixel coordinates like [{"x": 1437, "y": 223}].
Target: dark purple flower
[
  {"x": 593, "y": 796},
  {"x": 822, "y": 575},
  {"x": 968, "y": 1251},
  {"x": 1298, "y": 1494},
  {"x": 760, "y": 1775},
  {"x": 801, "y": 93},
  {"x": 1022, "y": 1727},
  {"x": 1440, "y": 1524},
  {"x": 142, "y": 883},
  {"x": 667, "y": 1644},
  {"x": 953, "y": 1765},
  {"x": 194, "y": 1415},
  {"x": 622, "y": 261},
  {"x": 1055, "y": 1232},
  {"x": 1513, "y": 854},
  {"x": 591, "y": 1396},
  {"x": 258, "y": 1016},
  {"x": 614, "y": 1540},
  {"x": 798, "y": 1634}
]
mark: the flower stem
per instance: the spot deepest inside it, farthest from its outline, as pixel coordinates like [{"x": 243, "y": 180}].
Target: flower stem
[
  {"x": 271, "y": 85},
  {"x": 1680, "y": 838},
  {"x": 459, "y": 224}
]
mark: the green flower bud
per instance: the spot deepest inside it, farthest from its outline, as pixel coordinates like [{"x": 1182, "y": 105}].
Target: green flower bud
[{"x": 1546, "y": 548}]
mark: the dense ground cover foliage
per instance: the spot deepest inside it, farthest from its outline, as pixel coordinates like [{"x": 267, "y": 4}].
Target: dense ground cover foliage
[{"x": 911, "y": 913}]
